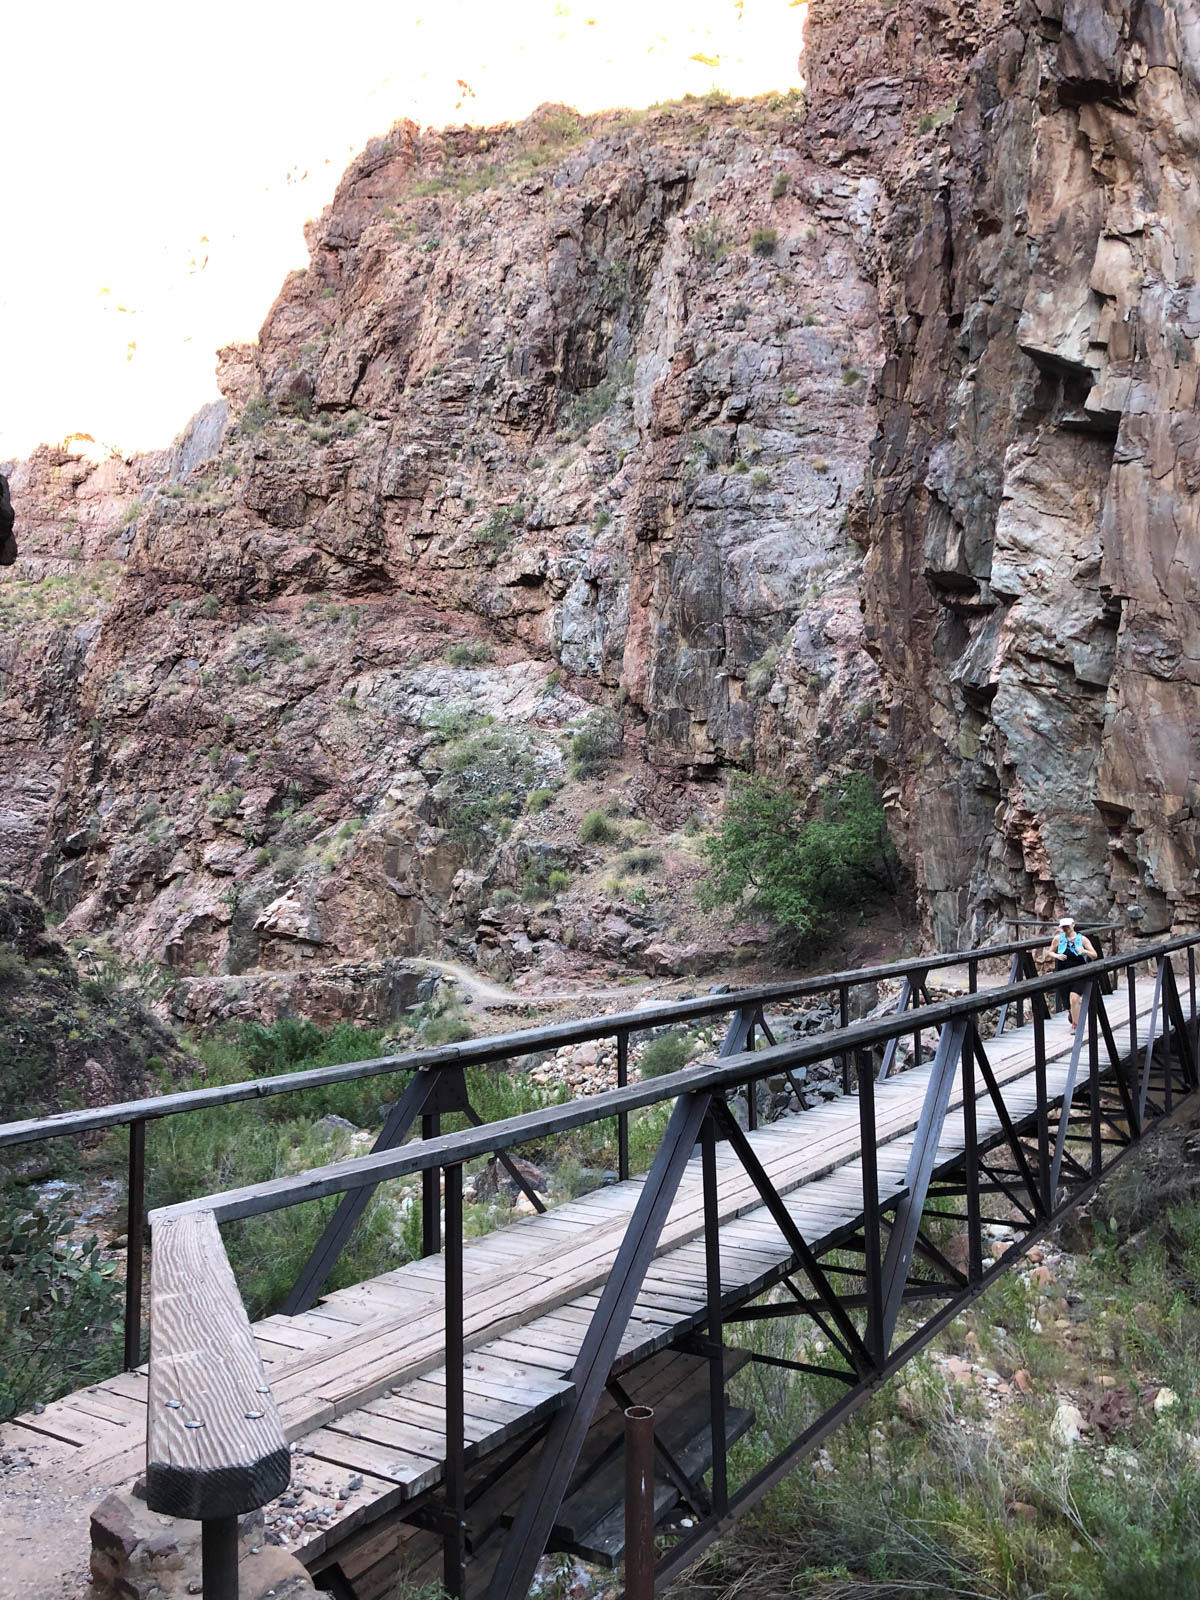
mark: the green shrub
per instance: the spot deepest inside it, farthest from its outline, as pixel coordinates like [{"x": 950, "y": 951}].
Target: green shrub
[
  {"x": 472, "y": 654},
  {"x": 595, "y": 744},
  {"x": 538, "y": 799},
  {"x": 225, "y": 805},
  {"x": 446, "y": 1030},
  {"x": 486, "y": 778},
  {"x": 210, "y": 606},
  {"x": 710, "y": 241},
  {"x": 771, "y": 858},
  {"x": 278, "y": 1046},
  {"x": 544, "y": 877},
  {"x": 14, "y": 974},
  {"x": 597, "y": 829},
  {"x": 640, "y": 861},
  {"x": 780, "y": 187},
  {"x": 257, "y": 414},
  {"x": 498, "y": 531},
  {"x": 760, "y": 480},
  {"x": 668, "y": 1053},
  {"x": 60, "y": 1306},
  {"x": 764, "y": 241},
  {"x": 760, "y": 675}
]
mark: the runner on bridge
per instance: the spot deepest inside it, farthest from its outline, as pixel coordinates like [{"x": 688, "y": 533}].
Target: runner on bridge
[{"x": 1071, "y": 949}]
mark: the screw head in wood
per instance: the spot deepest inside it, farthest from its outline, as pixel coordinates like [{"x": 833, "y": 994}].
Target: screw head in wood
[
  {"x": 193, "y": 1424},
  {"x": 253, "y": 1416},
  {"x": 174, "y": 1405},
  {"x": 263, "y": 1390}
]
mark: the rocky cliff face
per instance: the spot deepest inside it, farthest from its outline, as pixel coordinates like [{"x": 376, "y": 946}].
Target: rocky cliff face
[
  {"x": 1031, "y": 502},
  {"x": 853, "y": 433},
  {"x": 559, "y": 430}
]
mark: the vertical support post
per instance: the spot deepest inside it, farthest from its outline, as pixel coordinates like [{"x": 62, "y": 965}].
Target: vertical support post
[
  {"x": 844, "y": 1022},
  {"x": 1131, "y": 996},
  {"x": 1192, "y": 997},
  {"x": 135, "y": 1247},
  {"x": 871, "y": 1230},
  {"x": 639, "y": 1503},
  {"x": 751, "y": 1085},
  {"x": 452, "y": 1539},
  {"x": 971, "y": 1157},
  {"x": 973, "y": 976},
  {"x": 716, "y": 1353},
  {"x": 1043, "y": 1111},
  {"x": 219, "y": 1558},
  {"x": 431, "y": 1200},
  {"x": 1097, "y": 1000},
  {"x": 623, "y": 1117}
]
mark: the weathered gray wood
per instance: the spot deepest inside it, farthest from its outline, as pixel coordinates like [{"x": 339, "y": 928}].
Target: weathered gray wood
[{"x": 215, "y": 1445}]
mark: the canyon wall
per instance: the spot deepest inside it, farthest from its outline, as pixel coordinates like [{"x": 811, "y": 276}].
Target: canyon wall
[
  {"x": 856, "y": 432},
  {"x": 1031, "y": 501}
]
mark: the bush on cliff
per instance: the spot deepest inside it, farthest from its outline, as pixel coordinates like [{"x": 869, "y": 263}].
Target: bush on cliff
[
  {"x": 773, "y": 857},
  {"x": 486, "y": 777}
]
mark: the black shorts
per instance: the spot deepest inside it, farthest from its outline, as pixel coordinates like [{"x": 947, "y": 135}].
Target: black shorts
[{"x": 1075, "y": 985}]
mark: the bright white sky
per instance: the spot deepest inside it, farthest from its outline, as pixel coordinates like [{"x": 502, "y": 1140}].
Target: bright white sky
[{"x": 159, "y": 160}]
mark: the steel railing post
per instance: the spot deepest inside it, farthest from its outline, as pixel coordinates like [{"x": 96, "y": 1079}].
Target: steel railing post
[
  {"x": 1043, "y": 1110},
  {"x": 971, "y": 1158},
  {"x": 1096, "y": 1000},
  {"x": 714, "y": 1329},
  {"x": 623, "y": 1117},
  {"x": 844, "y": 1022},
  {"x": 453, "y": 1536},
  {"x": 431, "y": 1200},
  {"x": 135, "y": 1246},
  {"x": 873, "y": 1264}
]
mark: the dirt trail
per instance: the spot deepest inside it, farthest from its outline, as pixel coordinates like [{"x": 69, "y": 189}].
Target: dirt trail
[{"x": 486, "y": 994}]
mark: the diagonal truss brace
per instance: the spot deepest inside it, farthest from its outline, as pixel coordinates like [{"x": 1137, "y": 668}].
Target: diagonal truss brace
[
  {"x": 860, "y": 1356},
  {"x": 556, "y": 1463},
  {"x": 434, "y": 1089},
  {"x": 951, "y": 1054}
]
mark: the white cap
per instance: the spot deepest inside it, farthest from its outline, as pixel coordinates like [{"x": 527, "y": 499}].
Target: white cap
[{"x": 1066, "y": 922}]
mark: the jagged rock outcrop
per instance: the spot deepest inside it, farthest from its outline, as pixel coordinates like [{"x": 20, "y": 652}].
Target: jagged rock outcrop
[{"x": 604, "y": 413}]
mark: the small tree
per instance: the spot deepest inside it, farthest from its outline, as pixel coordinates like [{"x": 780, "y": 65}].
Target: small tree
[{"x": 771, "y": 857}]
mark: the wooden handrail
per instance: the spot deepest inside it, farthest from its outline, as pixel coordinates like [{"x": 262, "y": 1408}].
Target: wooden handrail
[{"x": 215, "y": 1446}]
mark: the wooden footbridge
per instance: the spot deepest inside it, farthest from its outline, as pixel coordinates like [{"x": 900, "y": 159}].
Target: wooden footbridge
[{"x": 467, "y": 1412}]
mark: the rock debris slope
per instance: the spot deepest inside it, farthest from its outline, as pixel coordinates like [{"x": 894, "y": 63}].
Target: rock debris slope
[{"x": 851, "y": 432}]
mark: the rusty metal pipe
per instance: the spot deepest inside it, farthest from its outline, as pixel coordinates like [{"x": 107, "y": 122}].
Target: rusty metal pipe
[{"x": 639, "y": 1503}]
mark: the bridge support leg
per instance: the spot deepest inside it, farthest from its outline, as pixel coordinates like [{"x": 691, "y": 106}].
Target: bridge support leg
[
  {"x": 639, "y": 1503},
  {"x": 219, "y": 1558}
]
